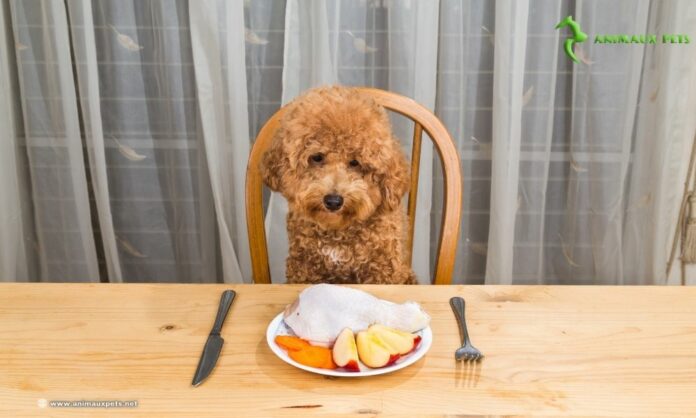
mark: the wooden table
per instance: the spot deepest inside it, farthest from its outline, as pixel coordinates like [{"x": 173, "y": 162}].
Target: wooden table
[{"x": 591, "y": 351}]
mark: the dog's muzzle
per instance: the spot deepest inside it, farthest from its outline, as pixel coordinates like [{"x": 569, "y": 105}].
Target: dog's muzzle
[{"x": 333, "y": 202}]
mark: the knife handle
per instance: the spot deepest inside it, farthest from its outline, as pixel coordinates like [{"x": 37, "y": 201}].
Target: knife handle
[{"x": 225, "y": 304}]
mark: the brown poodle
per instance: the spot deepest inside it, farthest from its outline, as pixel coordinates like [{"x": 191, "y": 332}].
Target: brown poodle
[{"x": 343, "y": 174}]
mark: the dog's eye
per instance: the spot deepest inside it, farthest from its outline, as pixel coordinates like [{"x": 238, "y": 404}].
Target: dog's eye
[
  {"x": 316, "y": 158},
  {"x": 354, "y": 163}
]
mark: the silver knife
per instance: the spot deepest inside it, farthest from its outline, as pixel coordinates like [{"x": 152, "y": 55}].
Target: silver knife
[{"x": 213, "y": 346}]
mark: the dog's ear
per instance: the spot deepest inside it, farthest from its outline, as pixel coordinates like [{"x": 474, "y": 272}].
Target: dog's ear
[
  {"x": 274, "y": 162},
  {"x": 395, "y": 178}
]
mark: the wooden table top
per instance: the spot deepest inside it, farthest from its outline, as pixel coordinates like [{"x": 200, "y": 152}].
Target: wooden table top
[{"x": 582, "y": 351}]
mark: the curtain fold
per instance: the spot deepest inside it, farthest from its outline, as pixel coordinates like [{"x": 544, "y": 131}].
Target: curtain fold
[
  {"x": 417, "y": 49},
  {"x": 508, "y": 78},
  {"x": 85, "y": 50},
  {"x": 217, "y": 38},
  {"x": 604, "y": 103},
  {"x": 531, "y": 195},
  {"x": 61, "y": 210},
  {"x": 658, "y": 170},
  {"x": 13, "y": 253}
]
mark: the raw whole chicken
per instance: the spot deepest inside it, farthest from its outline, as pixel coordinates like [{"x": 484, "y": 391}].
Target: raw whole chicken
[{"x": 322, "y": 311}]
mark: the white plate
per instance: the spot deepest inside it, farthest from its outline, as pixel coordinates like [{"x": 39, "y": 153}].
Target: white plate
[{"x": 278, "y": 327}]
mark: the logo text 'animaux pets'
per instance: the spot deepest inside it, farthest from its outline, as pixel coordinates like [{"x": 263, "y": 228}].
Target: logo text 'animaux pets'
[{"x": 578, "y": 36}]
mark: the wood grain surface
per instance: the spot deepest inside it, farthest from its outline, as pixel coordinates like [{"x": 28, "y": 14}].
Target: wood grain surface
[{"x": 550, "y": 351}]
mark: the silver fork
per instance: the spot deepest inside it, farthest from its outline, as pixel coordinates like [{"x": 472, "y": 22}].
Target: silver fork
[{"x": 466, "y": 352}]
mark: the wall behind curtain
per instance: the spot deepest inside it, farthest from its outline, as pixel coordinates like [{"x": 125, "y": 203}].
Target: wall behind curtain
[{"x": 132, "y": 122}]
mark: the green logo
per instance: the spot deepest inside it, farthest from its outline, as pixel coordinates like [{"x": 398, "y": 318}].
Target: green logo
[{"x": 578, "y": 36}]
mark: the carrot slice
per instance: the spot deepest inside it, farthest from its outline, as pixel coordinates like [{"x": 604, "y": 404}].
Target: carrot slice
[
  {"x": 329, "y": 363},
  {"x": 291, "y": 343},
  {"x": 311, "y": 356}
]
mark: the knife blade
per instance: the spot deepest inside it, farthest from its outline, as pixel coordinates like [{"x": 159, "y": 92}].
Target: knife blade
[{"x": 213, "y": 346}]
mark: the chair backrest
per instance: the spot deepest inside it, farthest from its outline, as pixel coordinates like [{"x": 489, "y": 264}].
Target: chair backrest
[{"x": 423, "y": 120}]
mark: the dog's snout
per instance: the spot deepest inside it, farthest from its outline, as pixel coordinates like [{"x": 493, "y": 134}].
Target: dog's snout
[{"x": 333, "y": 202}]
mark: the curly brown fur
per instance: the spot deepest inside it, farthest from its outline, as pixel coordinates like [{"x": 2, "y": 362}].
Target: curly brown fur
[{"x": 337, "y": 142}]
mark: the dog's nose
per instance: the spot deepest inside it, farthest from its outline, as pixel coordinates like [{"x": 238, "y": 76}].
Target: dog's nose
[{"x": 333, "y": 202}]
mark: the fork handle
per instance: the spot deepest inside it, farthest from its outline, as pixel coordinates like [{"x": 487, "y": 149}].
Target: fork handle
[{"x": 458, "y": 305}]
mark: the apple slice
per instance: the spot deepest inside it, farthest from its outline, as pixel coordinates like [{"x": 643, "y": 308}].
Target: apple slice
[
  {"x": 399, "y": 342},
  {"x": 373, "y": 352},
  {"x": 345, "y": 351}
]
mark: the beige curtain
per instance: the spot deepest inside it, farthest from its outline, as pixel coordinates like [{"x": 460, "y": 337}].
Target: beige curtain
[{"x": 127, "y": 127}]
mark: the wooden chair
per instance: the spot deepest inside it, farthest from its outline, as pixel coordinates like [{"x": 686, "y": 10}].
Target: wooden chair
[{"x": 423, "y": 120}]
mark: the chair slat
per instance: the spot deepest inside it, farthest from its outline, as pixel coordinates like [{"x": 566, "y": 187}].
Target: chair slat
[{"x": 413, "y": 189}]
